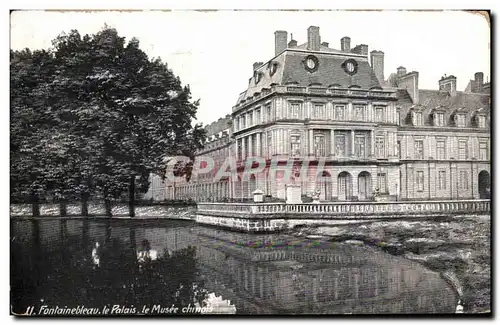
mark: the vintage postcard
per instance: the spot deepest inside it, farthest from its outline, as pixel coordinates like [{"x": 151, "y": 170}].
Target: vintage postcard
[{"x": 250, "y": 162}]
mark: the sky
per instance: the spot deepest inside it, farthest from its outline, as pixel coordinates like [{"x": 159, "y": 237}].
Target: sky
[{"x": 214, "y": 51}]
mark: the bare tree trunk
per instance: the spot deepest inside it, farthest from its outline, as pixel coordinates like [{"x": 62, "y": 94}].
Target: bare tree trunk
[
  {"x": 107, "y": 204},
  {"x": 35, "y": 206},
  {"x": 63, "y": 208},
  {"x": 85, "y": 204},
  {"x": 131, "y": 197}
]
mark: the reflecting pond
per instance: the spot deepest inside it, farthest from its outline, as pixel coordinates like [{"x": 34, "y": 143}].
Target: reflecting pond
[{"x": 131, "y": 267}]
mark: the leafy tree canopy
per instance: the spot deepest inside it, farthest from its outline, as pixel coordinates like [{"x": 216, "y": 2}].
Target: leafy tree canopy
[{"x": 94, "y": 113}]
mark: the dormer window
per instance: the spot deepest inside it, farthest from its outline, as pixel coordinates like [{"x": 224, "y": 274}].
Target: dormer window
[
  {"x": 481, "y": 121},
  {"x": 273, "y": 67},
  {"x": 418, "y": 119},
  {"x": 258, "y": 76},
  {"x": 460, "y": 120},
  {"x": 439, "y": 119}
]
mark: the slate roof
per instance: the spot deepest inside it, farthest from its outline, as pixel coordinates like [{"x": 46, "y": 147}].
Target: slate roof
[
  {"x": 220, "y": 125},
  {"x": 290, "y": 69},
  {"x": 468, "y": 103},
  {"x": 321, "y": 48}
]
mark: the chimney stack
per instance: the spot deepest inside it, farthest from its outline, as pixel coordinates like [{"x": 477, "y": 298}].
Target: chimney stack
[
  {"x": 360, "y": 49},
  {"x": 448, "y": 83},
  {"x": 280, "y": 40},
  {"x": 377, "y": 61},
  {"x": 313, "y": 38},
  {"x": 479, "y": 82},
  {"x": 401, "y": 71},
  {"x": 256, "y": 65},
  {"x": 345, "y": 44},
  {"x": 409, "y": 81}
]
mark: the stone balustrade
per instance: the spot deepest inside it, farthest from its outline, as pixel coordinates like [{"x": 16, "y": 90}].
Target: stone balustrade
[
  {"x": 341, "y": 209},
  {"x": 333, "y": 91}
]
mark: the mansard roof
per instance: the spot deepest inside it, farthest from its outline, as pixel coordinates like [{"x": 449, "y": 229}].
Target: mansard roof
[
  {"x": 433, "y": 100},
  {"x": 290, "y": 68}
]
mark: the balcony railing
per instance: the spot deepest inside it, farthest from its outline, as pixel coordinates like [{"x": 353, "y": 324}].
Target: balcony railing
[
  {"x": 318, "y": 90},
  {"x": 349, "y": 209}
]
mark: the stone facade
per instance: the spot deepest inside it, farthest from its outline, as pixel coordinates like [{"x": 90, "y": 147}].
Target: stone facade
[{"x": 318, "y": 106}]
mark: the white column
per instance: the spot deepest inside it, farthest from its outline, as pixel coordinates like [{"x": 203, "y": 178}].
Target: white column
[
  {"x": 387, "y": 150},
  {"x": 332, "y": 142},
  {"x": 352, "y": 143},
  {"x": 275, "y": 141},
  {"x": 243, "y": 148},
  {"x": 266, "y": 145},
  {"x": 250, "y": 153},
  {"x": 372, "y": 149},
  {"x": 283, "y": 109},
  {"x": 286, "y": 145}
]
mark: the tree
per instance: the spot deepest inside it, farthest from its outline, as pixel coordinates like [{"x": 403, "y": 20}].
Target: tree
[{"x": 103, "y": 115}]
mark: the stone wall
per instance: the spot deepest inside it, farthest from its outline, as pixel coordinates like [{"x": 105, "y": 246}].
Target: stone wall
[
  {"x": 97, "y": 209},
  {"x": 243, "y": 224}
]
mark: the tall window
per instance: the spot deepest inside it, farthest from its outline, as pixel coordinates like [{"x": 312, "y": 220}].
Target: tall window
[
  {"x": 461, "y": 120},
  {"x": 398, "y": 148},
  {"x": 319, "y": 145},
  {"x": 483, "y": 150},
  {"x": 398, "y": 117},
  {"x": 420, "y": 181},
  {"x": 242, "y": 120},
  {"x": 481, "y": 120},
  {"x": 419, "y": 149},
  {"x": 382, "y": 182},
  {"x": 441, "y": 180},
  {"x": 359, "y": 112},
  {"x": 250, "y": 119},
  {"x": 268, "y": 113},
  {"x": 359, "y": 146},
  {"x": 294, "y": 110},
  {"x": 439, "y": 119},
  {"x": 295, "y": 144},
  {"x": 257, "y": 116},
  {"x": 319, "y": 111},
  {"x": 462, "y": 149},
  {"x": 379, "y": 114},
  {"x": 418, "y": 119},
  {"x": 340, "y": 145},
  {"x": 464, "y": 180},
  {"x": 380, "y": 146},
  {"x": 441, "y": 149},
  {"x": 340, "y": 112}
]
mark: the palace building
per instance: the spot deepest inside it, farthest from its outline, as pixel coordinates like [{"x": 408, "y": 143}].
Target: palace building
[
  {"x": 218, "y": 146},
  {"x": 357, "y": 133}
]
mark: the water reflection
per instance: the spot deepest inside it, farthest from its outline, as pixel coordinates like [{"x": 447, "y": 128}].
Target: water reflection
[
  {"x": 134, "y": 263},
  {"x": 63, "y": 274}
]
